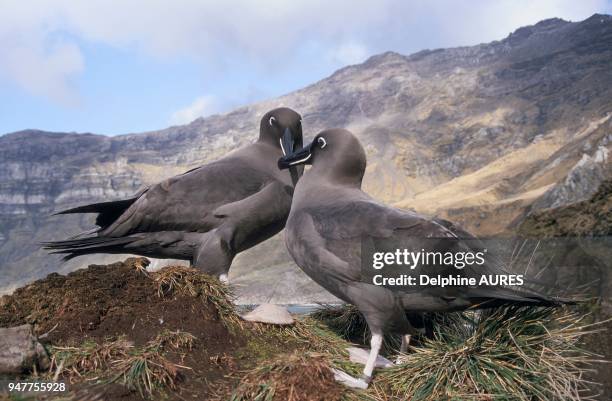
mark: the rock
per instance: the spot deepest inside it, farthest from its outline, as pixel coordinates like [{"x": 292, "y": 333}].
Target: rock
[
  {"x": 360, "y": 355},
  {"x": 20, "y": 351},
  {"x": 269, "y": 313},
  {"x": 582, "y": 180}
]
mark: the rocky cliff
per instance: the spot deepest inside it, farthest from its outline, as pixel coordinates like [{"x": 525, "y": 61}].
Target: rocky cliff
[{"x": 483, "y": 135}]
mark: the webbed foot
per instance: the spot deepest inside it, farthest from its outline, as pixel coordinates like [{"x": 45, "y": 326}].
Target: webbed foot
[{"x": 350, "y": 381}]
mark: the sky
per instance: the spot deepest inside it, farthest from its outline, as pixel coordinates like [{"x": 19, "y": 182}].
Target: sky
[{"x": 116, "y": 67}]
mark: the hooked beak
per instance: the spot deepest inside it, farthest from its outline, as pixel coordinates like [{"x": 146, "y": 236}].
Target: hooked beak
[{"x": 301, "y": 156}]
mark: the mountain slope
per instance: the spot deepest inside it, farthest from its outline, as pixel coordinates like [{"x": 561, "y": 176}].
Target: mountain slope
[
  {"x": 482, "y": 135},
  {"x": 590, "y": 217}
]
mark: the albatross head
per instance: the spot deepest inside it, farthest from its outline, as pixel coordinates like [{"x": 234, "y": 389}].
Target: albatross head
[
  {"x": 335, "y": 155},
  {"x": 282, "y": 128}
]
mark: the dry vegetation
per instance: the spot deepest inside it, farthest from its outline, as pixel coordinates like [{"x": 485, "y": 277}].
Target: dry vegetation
[{"x": 507, "y": 353}]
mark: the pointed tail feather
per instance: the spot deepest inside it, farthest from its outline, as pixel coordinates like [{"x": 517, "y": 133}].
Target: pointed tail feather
[
  {"x": 108, "y": 212},
  {"x": 100, "y": 207},
  {"x": 84, "y": 246}
]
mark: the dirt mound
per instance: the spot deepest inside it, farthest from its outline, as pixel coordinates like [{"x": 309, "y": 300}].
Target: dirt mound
[
  {"x": 103, "y": 301},
  {"x": 99, "y": 304},
  {"x": 118, "y": 332}
]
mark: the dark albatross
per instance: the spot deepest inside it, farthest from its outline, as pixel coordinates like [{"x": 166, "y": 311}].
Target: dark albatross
[
  {"x": 331, "y": 216},
  {"x": 206, "y": 215}
]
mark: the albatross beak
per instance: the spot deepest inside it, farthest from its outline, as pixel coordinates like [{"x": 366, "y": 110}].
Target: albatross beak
[
  {"x": 288, "y": 146},
  {"x": 302, "y": 156},
  {"x": 287, "y": 143}
]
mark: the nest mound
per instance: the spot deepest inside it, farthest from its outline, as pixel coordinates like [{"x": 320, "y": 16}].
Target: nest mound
[
  {"x": 121, "y": 298},
  {"x": 146, "y": 331},
  {"x": 118, "y": 332}
]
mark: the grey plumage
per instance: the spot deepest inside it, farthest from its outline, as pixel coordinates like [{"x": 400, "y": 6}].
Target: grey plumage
[
  {"x": 206, "y": 215},
  {"x": 331, "y": 216}
]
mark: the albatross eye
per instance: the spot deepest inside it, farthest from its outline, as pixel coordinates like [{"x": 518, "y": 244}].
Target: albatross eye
[
  {"x": 271, "y": 120},
  {"x": 322, "y": 142}
]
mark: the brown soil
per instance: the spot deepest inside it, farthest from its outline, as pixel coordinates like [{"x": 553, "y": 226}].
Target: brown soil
[{"x": 101, "y": 303}]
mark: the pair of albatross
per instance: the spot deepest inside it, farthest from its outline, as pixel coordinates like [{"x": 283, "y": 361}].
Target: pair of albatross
[{"x": 211, "y": 213}]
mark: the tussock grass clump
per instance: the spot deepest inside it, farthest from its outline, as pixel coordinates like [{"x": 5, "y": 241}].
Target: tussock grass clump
[
  {"x": 292, "y": 377},
  {"x": 511, "y": 353},
  {"x": 345, "y": 320},
  {"x": 191, "y": 282},
  {"x": 146, "y": 371},
  {"x": 266, "y": 340},
  {"x": 141, "y": 368},
  {"x": 308, "y": 333},
  {"x": 173, "y": 340},
  {"x": 349, "y": 323},
  {"x": 87, "y": 359}
]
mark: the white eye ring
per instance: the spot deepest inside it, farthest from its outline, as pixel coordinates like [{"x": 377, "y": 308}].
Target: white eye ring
[
  {"x": 322, "y": 142},
  {"x": 271, "y": 120}
]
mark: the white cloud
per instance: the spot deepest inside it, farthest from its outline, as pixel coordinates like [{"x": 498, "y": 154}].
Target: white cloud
[
  {"x": 200, "y": 107},
  {"x": 46, "y": 72},
  {"x": 33, "y": 58},
  {"x": 349, "y": 53},
  {"x": 39, "y": 41},
  {"x": 485, "y": 21}
]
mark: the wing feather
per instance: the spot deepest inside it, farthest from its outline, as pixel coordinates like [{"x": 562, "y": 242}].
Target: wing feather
[{"x": 186, "y": 202}]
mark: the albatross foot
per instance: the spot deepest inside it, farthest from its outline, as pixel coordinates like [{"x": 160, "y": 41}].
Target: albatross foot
[{"x": 350, "y": 381}]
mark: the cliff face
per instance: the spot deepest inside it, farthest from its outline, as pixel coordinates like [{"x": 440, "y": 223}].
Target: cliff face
[{"x": 483, "y": 135}]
